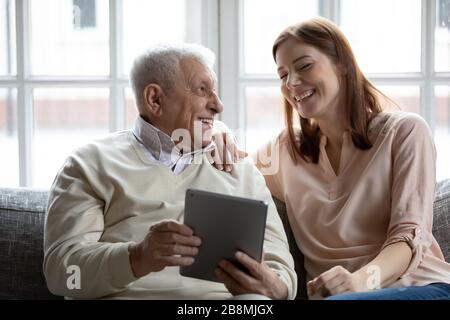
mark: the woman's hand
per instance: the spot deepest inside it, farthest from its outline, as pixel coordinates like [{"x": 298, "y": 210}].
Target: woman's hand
[
  {"x": 225, "y": 151},
  {"x": 260, "y": 279},
  {"x": 336, "y": 280}
]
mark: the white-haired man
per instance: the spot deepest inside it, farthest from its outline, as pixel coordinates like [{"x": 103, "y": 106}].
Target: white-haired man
[{"x": 115, "y": 209}]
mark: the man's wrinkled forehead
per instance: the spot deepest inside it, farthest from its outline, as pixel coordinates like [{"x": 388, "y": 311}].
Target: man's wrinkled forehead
[{"x": 191, "y": 69}]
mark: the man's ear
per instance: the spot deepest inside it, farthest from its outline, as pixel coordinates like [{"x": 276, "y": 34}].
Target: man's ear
[{"x": 153, "y": 95}]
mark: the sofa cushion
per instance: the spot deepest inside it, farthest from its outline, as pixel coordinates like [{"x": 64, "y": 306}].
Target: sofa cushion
[
  {"x": 441, "y": 217},
  {"x": 22, "y": 213}
]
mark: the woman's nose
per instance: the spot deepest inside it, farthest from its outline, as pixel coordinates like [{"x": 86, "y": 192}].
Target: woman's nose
[{"x": 292, "y": 81}]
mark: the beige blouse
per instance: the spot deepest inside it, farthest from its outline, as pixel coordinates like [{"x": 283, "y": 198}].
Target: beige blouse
[{"x": 380, "y": 196}]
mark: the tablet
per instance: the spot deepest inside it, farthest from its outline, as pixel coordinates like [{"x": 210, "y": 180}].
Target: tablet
[{"x": 225, "y": 224}]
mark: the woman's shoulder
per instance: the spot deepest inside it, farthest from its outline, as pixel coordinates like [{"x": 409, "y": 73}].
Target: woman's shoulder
[
  {"x": 405, "y": 123},
  {"x": 398, "y": 122},
  {"x": 275, "y": 147},
  {"x": 277, "y": 140},
  {"x": 283, "y": 137}
]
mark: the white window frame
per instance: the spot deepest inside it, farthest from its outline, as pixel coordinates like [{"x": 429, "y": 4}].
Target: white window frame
[
  {"x": 233, "y": 80},
  {"x": 25, "y": 82}
]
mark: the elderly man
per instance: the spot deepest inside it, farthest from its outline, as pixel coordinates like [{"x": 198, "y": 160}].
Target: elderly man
[{"x": 115, "y": 209}]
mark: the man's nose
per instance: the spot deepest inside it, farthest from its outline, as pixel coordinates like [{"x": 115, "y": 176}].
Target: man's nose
[
  {"x": 293, "y": 80},
  {"x": 215, "y": 103}
]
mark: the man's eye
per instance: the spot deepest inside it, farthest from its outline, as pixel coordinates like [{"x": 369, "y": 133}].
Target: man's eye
[{"x": 283, "y": 76}]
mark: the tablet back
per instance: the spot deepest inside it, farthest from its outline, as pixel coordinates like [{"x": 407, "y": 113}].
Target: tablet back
[{"x": 225, "y": 224}]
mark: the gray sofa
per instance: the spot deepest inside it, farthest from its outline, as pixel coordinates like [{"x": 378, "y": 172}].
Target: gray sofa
[{"x": 22, "y": 214}]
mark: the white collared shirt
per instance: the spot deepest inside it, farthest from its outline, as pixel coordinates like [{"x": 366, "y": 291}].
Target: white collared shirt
[{"x": 161, "y": 148}]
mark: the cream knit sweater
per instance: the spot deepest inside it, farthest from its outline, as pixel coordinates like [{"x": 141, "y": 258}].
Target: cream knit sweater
[{"x": 108, "y": 194}]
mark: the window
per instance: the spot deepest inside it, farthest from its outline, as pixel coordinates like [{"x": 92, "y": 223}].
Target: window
[
  {"x": 443, "y": 15},
  {"x": 84, "y": 14},
  {"x": 406, "y": 97},
  {"x": 9, "y": 161},
  {"x": 248, "y": 73},
  {"x": 65, "y": 118},
  {"x": 259, "y": 34},
  {"x": 67, "y": 82},
  {"x": 67, "y": 51},
  {"x": 376, "y": 45},
  {"x": 442, "y": 36},
  {"x": 64, "y": 66},
  {"x": 140, "y": 30},
  {"x": 7, "y": 38},
  {"x": 415, "y": 74}
]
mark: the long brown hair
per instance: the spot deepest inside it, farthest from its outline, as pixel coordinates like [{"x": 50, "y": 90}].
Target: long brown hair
[{"x": 359, "y": 97}]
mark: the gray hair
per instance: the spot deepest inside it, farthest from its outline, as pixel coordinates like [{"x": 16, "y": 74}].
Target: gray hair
[{"x": 159, "y": 64}]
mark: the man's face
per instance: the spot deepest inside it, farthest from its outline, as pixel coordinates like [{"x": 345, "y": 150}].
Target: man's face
[{"x": 193, "y": 102}]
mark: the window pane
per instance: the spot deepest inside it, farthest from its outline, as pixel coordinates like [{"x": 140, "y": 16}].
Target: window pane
[
  {"x": 406, "y": 97},
  {"x": 9, "y": 160},
  {"x": 265, "y": 115},
  {"x": 149, "y": 22},
  {"x": 442, "y": 34},
  {"x": 263, "y": 21},
  {"x": 7, "y": 37},
  {"x": 442, "y": 131},
  {"x": 384, "y": 34},
  {"x": 65, "y": 119},
  {"x": 130, "y": 108},
  {"x": 76, "y": 42}
]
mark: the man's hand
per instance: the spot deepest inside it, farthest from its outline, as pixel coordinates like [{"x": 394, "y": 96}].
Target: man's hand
[
  {"x": 225, "y": 151},
  {"x": 261, "y": 280},
  {"x": 336, "y": 280},
  {"x": 167, "y": 243}
]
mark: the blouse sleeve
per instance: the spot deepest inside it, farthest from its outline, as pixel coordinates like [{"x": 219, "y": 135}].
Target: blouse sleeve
[{"x": 413, "y": 187}]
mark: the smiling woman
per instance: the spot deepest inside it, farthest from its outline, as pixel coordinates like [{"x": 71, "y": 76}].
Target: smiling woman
[
  {"x": 424, "y": 51},
  {"x": 307, "y": 75},
  {"x": 358, "y": 182},
  {"x": 321, "y": 81}
]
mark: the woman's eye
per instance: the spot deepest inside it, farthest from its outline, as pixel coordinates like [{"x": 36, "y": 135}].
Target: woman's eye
[
  {"x": 306, "y": 66},
  {"x": 283, "y": 76}
]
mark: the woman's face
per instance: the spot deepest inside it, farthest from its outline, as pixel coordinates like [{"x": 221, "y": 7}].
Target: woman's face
[{"x": 309, "y": 79}]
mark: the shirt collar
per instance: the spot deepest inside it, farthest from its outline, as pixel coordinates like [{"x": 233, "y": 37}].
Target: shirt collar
[
  {"x": 152, "y": 138},
  {"x": 158, "y": 142},
  {"x": 324, "y": 140}
]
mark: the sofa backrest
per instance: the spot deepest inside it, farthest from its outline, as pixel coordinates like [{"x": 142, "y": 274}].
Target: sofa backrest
[
  {"x": 22, "y": 214},
  {"x": 441, "y": 217}
]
